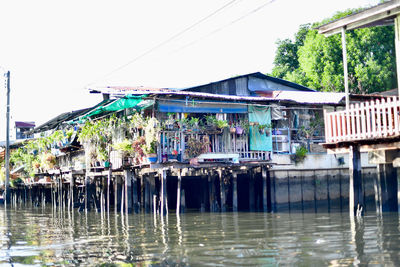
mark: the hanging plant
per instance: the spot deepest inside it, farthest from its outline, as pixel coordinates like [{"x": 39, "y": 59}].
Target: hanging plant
[{"x": 151, "y": 132}]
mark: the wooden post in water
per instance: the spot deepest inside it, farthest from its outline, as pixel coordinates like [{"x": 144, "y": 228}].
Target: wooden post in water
[
  {"x": 210, "y": 192},
  {"x": 234, "y": 194},
  {"x": 178, "y": 193},
  {"x": 356, "y": 190},
  {"x": 135, "y": 194},
  {"x": 108, "y": 187},
  {"x": 115, "y": 194},
  {"x": 71, "y": 192},
  {"x": 251, "y": 191},
  {"x": 87, "y": 180},
  {"x": 183, "y": 201},
  {"x": 146, "y": 191},
  {"x": 222, "y": 190},
  {"x": 265, "y": 188},
  {"x": 128, "y": 190},
  {"x": 162, "y": 191}
]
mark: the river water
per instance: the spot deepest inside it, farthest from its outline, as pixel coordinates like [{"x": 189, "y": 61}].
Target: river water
[{"x": 43, "y": 236}]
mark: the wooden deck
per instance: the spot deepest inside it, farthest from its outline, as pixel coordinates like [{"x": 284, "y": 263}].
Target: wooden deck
[{"x": 368, "y": 122}]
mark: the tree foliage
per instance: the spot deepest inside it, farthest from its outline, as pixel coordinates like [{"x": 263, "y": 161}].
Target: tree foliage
[{"x": 315, "y": 61}]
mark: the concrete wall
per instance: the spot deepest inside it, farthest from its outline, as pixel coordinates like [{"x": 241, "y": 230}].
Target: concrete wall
[
  {"x": 317, "y": 190},
  {"x": 317, "y": 161}
]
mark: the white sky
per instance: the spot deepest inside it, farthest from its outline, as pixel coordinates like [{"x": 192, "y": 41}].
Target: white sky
[{"x": 54, "y": 49}]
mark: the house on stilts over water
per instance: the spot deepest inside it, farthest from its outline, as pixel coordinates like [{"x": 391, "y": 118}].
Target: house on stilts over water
[{"x": 247, "y": 143}]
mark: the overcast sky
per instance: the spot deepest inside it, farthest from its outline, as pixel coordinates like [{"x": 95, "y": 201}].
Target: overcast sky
[{"x": 55, "y": 49}]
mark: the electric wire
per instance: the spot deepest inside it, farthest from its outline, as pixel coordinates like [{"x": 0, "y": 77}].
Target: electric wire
[
  {"x": 166, "y": 41},
  {"x": 225, "y": 26}
]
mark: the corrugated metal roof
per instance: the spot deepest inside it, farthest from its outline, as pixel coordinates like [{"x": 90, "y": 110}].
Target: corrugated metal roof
[
  {"x": 309, "y": 97},
  {"x": 260, "y": 76},
  {"x": 119, "y": 91},
  {"x": 28, "y": 124},
  {"x": 294, "y": 96}
]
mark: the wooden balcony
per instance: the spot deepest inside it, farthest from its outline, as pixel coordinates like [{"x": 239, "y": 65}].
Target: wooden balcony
[
  {"x": 374, "y": 121},
  {"x": 221, "y": 146}
]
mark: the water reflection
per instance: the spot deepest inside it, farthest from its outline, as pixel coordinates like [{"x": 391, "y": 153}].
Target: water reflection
[{"x": 40, "y": 235}]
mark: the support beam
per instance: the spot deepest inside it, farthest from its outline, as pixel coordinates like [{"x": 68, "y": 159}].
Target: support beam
[
  {"x": 397, "y": 48},
  {"x": 345, "y": 72},
  {"x": 234, "y": 193},
  {"x": 356, "y": 190},
  {"x": 7, "y": 192}
]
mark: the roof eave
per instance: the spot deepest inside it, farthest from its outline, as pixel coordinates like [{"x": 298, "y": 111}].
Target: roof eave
[{"x": 379, "y": 15}]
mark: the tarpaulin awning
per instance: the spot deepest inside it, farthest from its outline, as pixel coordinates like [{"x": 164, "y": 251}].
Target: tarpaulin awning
[{"x": 128, "y": 101}]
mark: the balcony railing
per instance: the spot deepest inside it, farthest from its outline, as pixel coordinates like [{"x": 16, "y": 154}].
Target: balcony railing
[
  {"x": 173, "y": 146},
  {"x": 363, "y": 121}
]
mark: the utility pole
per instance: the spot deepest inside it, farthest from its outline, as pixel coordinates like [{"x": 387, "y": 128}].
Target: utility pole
[{"x": 7, "y": 159}]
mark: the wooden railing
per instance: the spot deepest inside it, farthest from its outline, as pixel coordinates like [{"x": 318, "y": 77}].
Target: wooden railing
[
  {"x": 222, "y": 143},
  {"x": 368, "y": 120}
]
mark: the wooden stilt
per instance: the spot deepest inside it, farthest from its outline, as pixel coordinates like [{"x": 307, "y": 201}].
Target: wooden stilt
[
  {"x": 115, "y": 194},
  {"x": 356, "y": 190},
  {"x": 122, "y": 199},
  {"x": 162, "y": 193},
  {"x": 210, "y": 193},
  {"x": 135, "y": 194},
  {"x": 222, "y": 191},
  {"x": 234, "y": 194},
  {"x": 128, "y": 190},
  {"x": 178, "y": 193},
  {"x": 164, "y": 176},
  {"x": 265, "y": 188},
  {"x": 108, "y": 188},
  {"x": 251, "y": 191},
  {"x": 183, "y": 201},
  {"x": 147, "y": 196}
]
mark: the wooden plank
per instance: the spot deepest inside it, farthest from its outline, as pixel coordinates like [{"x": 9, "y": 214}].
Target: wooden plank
[
  {"x": 368, "y": 118},
  {"x": 353, "y": 122},
  {"x": 396, "y": 115},
  {"x": 339, "y": 127},
  {"x": 384, "y": 118},
  {"x": 390, "y": 116},
  {"x": 343, "y": 121},
  {"x": 363, "y": 122},
  {"x": 373, "y": 119},
  {"x": 334, "y": 129},
  {"x": 358, "y": 122},
  {"x": 379, "y": 120}
]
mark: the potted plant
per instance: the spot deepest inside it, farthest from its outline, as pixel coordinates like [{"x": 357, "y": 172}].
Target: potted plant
[
  {"x": 193, "y": 123},
  {"x": 221, "y": 124},
  {"x": 151, "y": 139},
  {"x": 232, "y": 129},
  {"x": 195, "y": 147},
  {"x": 150, "y": 152}
]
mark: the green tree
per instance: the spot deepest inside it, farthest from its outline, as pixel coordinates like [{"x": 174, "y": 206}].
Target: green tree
[{"x": 316, "y": 61}]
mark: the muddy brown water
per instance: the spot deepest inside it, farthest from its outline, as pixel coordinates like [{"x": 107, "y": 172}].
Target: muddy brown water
[{"x": 45, "y": 236}]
